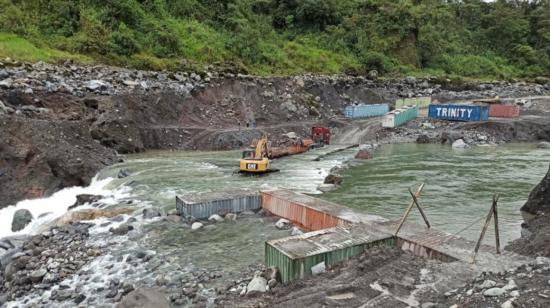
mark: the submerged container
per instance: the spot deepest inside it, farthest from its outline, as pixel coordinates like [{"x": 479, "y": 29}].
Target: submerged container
[
  {"x": 503, "y": 111},
  {"x": 204, "y": 205},
  {"x": 309, "y": 213},
  {"x": 295, "y": 256},
  {"x": 366, "y": 111},
  {"x": 459, "y": 112},
  {"x": 400, "y": 116}
]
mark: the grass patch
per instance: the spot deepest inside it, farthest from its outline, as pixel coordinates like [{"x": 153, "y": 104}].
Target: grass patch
[{"x": 20, "y": 49}]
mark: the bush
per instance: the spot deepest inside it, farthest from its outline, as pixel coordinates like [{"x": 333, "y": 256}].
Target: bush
[{"x": 122, "y": 41}]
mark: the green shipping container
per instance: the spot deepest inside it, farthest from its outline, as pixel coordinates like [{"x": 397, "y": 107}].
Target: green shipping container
[
  {"x": 420, "y": 102},
  {"x": 399, "y": 117},
  {"x": 295, "y": 256}
]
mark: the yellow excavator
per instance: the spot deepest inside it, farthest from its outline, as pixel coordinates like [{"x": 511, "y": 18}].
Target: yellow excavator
[{"x": 256, "y": 161}]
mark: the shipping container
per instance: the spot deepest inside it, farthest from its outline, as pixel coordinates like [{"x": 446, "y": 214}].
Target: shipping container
[
  {"x": 503, "y": 111},
  {"x": 295, "y": 256},
  {"x": 400, "y": 116},
  {"x": 366, "y": 111},
  {"x": 308, "y": 212},
  {"x": 459, "y": 112},
  {"x": 204, "y": 205},
  {"x": 420, "y": 102}
]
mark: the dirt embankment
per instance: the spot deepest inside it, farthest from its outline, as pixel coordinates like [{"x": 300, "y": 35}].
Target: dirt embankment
[
  {"x": 535, "y": 240},
  {"x": 60, "y": 124}
]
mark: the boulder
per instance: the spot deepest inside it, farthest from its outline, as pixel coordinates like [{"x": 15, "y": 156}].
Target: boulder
[
  {"x": 145, "y": 298},
  {"x": 539, "y": 198},
  {"x": 122, "y": 173},
  {"x": 283, "y": 224},
  {"x": 333, "y": 179},
  {"x": 256, "y": 286},
  {"x": 37, "y": 275},
  {"x": 85, "y": 199},
  {"x": 363, "y": 154},
  {"x": 494, "y": 292},
  {"x": 318, "y": 268},
  {"x": 231, "y": 216},
  {"x": 215, "y": 218},
  {"x": 151, "y": 213},
  {"x": 89, "y": 214},
  {"x": 173, "y": 218},
  {"x": 423, "y": 139},
  {"x": 122, "y": 229},
  {"x": 459, "y": 144},
  {"x": 196, "y": 226},
  {"x": 543, "y": 145},
  {"x": 21, "y": 218},
  {"x": 296, "y": 231}
]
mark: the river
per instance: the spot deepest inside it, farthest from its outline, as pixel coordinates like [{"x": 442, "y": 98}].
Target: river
[{"x": 458, "y": 192}]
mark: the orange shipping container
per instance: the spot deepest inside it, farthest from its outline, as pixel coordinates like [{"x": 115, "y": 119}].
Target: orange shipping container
[
  {"x": 287, "y": 205},
  {"x": 503, "y": 111}
]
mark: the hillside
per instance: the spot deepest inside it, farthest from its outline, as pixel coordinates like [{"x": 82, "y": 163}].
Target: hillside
[{"x": 471, "y": 38}]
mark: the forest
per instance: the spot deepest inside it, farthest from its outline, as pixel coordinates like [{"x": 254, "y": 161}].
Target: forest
[{"x": 469, "y": 38}]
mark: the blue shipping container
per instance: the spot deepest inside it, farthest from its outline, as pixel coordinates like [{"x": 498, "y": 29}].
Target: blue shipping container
[
  {"x": 365, "y": 111},
  {"x": 459, "y": 112}
]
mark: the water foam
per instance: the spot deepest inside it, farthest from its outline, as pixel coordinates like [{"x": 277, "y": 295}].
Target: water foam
[{"x": 56, "y": 205}]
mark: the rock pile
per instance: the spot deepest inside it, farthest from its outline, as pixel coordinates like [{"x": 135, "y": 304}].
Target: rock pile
[{"x": 41, "y": 261}]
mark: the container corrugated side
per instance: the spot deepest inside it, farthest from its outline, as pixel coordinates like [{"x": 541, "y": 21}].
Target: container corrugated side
[
  {"x": 298, "y": 268},
  {"x": 366, "y": 111},
  {"x": 400, "y": 116},
  {"x": 459, "y": 112},
  {"x": 504, "y": 111},
  {"x": 203, "y": 210},
  {"x": 306, "y": 217},
  {"x": 420, "y": 102}
]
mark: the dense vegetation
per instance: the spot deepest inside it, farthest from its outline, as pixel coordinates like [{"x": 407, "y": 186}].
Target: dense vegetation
[{"x": 473, "y": 38}]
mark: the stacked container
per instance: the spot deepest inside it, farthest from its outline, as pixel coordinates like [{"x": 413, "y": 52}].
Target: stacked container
[
  {"x": 366, "y": 111},
  {"x": 459, "y": 112},
  {"x": 421, "y": 102},
  {"x": 400, "y": 116}
]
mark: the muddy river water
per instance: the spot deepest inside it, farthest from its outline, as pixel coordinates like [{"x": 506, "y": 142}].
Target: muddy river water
[{"x": 459, "y": 182}]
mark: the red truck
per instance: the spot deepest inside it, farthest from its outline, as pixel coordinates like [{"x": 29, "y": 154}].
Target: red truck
[{"x": 320, "y": 135}]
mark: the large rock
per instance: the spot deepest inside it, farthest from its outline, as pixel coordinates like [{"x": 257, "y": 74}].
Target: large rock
[
  {"x": 21, "y": 218},
  {"x": 151, "y": 213},
  {"x": 145, "y": 298},
  {"x": 37, "y": 275},
  {"x": 85, "y": 199},
  {"x": 89, "y": 214},
  {"x": 256, "y": 286},
  {"x": 543, "y": 145},
  {"x": 363, "y": 154},
  {"x": 494, "y": 292},
  {"x": 333, "y": 179},
  {"x": 283, "y": 224},
  {"x": 539, "y": 198},
  {"x": 459, "y": 144}
]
